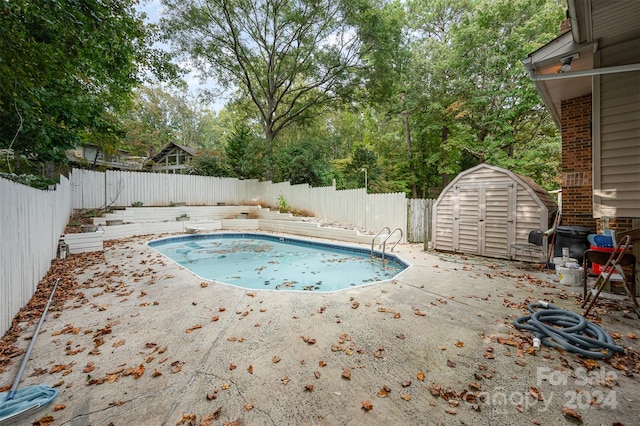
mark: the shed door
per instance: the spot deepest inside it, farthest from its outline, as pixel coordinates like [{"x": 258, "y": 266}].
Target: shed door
[{"x": 483, "y": 219}]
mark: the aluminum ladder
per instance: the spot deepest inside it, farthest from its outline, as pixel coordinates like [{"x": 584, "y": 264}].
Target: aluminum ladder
[{"x": 383, "y": 244}]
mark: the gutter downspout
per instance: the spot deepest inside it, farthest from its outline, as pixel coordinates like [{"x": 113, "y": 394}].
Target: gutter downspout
[{"x": 573, "y": 18}]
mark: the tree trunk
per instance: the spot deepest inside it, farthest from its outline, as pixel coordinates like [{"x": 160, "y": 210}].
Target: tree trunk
[
  {"x": 443, "y": 138},
  {"x": 407, "y": 133}
]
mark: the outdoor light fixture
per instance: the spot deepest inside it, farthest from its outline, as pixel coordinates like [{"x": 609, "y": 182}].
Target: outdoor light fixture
[{"x": 566, "y": 62}]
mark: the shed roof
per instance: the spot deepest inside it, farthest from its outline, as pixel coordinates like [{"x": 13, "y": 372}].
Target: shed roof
[{"x": 535, "y": 189}]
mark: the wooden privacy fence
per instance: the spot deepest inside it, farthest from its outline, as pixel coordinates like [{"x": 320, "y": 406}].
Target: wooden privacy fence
[
  {"x": 419, "y": 226},
  {"x": 31, "y": 221},
  {"x": 92, "y": 190}
]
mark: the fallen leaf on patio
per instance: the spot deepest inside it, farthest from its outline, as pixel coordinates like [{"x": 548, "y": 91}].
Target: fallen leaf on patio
[
  {"x": 475, "y": 386},
  {"x": 207, "y": 420},
  {"x": 212, "y": 396},
  {"x": 317, "y": 374},
  {"x": 156, "y": 373},
  {"x": 215, "y": 318},
  {"x": 222, "y": 309},
  {"x": 151, "y": 345},
  {"x": 451, "y": 364},
  {"x": 406, "y": 384},
  {"x": 248, "y": 406},
  {"x": 406, "y": 397},
  {"x": 309, "y": 388},
  {"x": 176, "y": 367},
  {"x": 590, "y": 364},
  {"x": 400, "y": 336},
  {"x": 112, "y": 378},
  {"x": 451, "y": 411},
  {"x": 367, "y": 406},
  {"x": 59, "y": 407},
  {"x": 382, "y": 393},
  {"x": 308, "y": 340},
  {"x": 436, "y": 389},
  {"x": 250, "y": 369},
  {"x": 346, "y": 374},
  {"x": 89, "y": 367},
  {"x": 322, "y": 363},
  {"x": 616, "y": 335},
  {"x": 275, "y": 359},
  {"x": 137, "y": 372},
  {"x": 216, "y": 414},
  {"x": 520, "y": 362},
  {"x": 204, "y": 285},
  {"x": 632, "y": 336},
  {"x": 45, "y": 421},
  {"x": 118, "y": 343},
  {"x": 285, "y": 380},
  {"x": 459, "y": 344},
  {"x": 225, "y": 386},
  {"x": 536, "y": 393},
  {"x": 232, "y": 367},
  {"x": 420, "y": 376},
  {"x": 188, "y": 418},
  {"x": 442, "y": 348},
  {"x": 571, "y": 414},
  {"x": 195, "y": 327}
]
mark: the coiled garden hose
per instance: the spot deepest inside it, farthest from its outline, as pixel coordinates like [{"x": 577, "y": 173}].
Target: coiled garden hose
[{"x": 558, "y": 328}]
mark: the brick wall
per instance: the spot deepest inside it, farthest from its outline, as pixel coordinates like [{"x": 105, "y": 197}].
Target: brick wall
[
  {"x": 577, "y": 161},
  {"x": 620, "y": 224}
]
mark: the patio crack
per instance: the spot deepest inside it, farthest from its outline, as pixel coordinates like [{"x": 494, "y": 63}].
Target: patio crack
[
  {"x": 79, "y": 417},
  {"x": 199, "y": 370}
]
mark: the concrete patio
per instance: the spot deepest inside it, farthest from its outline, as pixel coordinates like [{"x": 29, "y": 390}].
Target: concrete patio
[{"x": 139, "y": 340}]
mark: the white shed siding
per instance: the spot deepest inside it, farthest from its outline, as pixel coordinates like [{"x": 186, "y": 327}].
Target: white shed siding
[
  {"x": 442, "y": 227},
  {"x": 485, "y": 210}
]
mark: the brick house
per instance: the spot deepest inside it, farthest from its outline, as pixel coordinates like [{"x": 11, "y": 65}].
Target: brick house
[{"x": 589, "y": 79}]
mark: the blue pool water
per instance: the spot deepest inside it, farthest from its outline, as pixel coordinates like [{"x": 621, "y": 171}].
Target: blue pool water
[{"x": 257, "y": 261}]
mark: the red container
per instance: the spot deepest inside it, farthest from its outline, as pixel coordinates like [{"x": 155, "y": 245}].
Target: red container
[{"x": 597, "y": 268}]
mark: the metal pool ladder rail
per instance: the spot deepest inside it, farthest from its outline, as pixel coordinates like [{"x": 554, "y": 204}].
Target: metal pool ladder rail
[{"x": 383, "y": 244}]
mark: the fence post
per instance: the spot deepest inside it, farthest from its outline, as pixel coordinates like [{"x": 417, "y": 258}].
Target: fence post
[{"x": 426, "y": 225}]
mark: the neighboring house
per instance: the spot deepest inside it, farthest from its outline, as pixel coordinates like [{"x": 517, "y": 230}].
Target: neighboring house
[
  {"x": 93, "y": 156},
  {"x": 173, "y": 158},
  {"x": 589, "y": 79}
]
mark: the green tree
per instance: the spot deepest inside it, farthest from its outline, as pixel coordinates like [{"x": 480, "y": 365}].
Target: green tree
[
  {"x": 67, "y": 69},
  {"x": 496, "y": 103},
  {"x": 208, "y": 162},
  {"x": 160, "y": 115},
  {"x": 245, "y": 158},
  {"x": 292, "y": 59}
]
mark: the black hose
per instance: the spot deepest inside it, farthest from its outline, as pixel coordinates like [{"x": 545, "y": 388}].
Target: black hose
[{"x": 558, "y": 328}]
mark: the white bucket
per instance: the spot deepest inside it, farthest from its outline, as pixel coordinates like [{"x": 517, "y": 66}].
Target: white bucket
[
  {"x": 561, "y": 261},
  {"x": 569, "y": 276}
]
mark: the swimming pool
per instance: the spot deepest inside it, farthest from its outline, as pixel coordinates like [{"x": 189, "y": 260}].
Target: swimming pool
[{"x": 269, "y": 262}]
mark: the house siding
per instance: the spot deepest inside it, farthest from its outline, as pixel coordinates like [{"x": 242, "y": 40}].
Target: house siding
[
  {"x": 617, "y": 193},
  {"x": 577, "y": 159}
]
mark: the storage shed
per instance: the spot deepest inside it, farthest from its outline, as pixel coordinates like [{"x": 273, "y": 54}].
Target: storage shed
[{"x": 486, "y": 209}]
